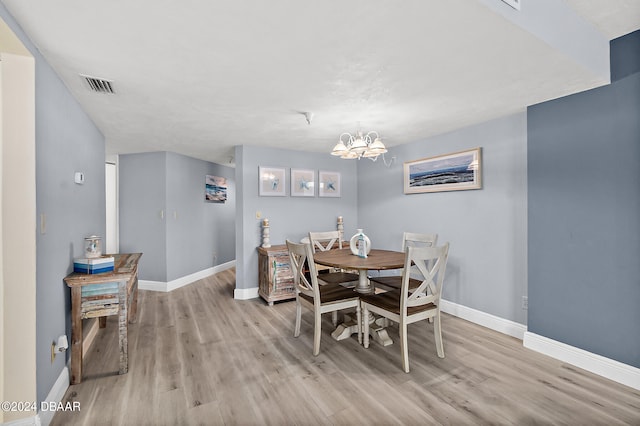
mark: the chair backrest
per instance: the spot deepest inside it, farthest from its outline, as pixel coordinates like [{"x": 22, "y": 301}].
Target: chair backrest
[
  {"x": 301, "y": 257},
  {"x": 324, "y": 241},
  {"x": 412, "y": 239},
  {"x": 431, "y": 262}
]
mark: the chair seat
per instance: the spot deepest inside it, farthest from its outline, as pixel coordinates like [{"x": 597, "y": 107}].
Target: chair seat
[
  {"x": 395, "y": 282},
  {"x": 332, "y": 293},
  {"x": 390, "y": 301},
  {"x": 337, "y": 277}
]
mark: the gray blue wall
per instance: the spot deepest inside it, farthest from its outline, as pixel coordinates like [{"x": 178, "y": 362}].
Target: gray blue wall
[
  {"x": 200, "y": 234},
  {"x": 66, "y": 141},
  {"x": 584, "y": 214},
  {"x": 486, "y": 227},
  {"x": 142, "y": 188},
  {"x": 163, "y": 214},
  {"x": 290, "y": 217}
]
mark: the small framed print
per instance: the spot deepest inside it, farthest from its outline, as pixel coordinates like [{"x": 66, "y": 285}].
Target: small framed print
[
  {"x": 272, "y": 182},
  {"x": 215, "y": 189},
  {"x": 329, "y": 184},
  {"x": 303, "y": 183}
]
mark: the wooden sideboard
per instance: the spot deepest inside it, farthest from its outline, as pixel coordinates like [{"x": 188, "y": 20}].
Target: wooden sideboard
[
  {"x": 99, "y": 295},
  {"x": 275, "y": 277}
]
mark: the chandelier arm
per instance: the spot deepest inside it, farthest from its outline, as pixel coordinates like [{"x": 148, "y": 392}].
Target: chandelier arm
[
  {"x": 384, "y": 160},
  {"x": 346, "y": 133}
]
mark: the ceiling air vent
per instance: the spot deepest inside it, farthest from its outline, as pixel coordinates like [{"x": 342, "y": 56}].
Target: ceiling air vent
[
  {"x": 513, "y": 3},
  {"x": 99, "y": 85}
]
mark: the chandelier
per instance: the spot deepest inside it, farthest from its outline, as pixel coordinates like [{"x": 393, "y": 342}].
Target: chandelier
[{"x": 359, "y": 145}]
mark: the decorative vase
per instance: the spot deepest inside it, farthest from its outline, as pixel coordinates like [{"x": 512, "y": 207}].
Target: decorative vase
[{"x": 360, "y": 244}]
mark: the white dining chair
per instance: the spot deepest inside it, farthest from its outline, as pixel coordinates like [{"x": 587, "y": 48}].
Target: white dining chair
[
  {"x": 331, "y": 240},
  {"x": 406, "y": 305},
  {"x": 409, "y": 239},
  {"x": 321, "y": 299}
]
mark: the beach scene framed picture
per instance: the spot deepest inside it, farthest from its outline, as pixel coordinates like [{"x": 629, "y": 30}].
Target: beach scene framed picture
[
  {"x": 449, "y": 172},
  {"x": 215, "y": 189}
]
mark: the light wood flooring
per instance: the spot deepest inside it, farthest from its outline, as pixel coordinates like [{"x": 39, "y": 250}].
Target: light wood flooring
[{"x": 199, "y": 357}]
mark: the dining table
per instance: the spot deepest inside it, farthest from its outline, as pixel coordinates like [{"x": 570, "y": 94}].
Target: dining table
[{"x": 377, "y": 259}]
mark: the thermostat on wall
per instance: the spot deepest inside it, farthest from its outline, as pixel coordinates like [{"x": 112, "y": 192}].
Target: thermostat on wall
[{"x": 79, "y": 178}]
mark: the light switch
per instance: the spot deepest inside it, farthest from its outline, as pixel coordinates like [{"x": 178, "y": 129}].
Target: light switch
[{"x": 79, "y": 178}]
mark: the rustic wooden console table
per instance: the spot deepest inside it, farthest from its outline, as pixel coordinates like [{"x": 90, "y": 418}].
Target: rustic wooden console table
[{"x": 100, "y": 295}]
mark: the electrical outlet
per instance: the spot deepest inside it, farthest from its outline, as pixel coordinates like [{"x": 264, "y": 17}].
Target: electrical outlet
[{"x": 525, "y": 302}]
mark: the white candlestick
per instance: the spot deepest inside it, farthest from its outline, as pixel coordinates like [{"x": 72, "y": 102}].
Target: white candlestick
[{"x": 265, "y": 234}]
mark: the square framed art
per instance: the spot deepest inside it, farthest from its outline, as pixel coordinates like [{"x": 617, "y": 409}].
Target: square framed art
[
  {"x": 272, "y": 181},
  {"x": 215, "y": 189},
  {"x": 329, "y": 184},
  {"x": 303, "y": 183}
]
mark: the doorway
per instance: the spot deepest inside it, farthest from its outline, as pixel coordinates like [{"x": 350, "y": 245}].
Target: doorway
[{"x": 111, "y": 243}]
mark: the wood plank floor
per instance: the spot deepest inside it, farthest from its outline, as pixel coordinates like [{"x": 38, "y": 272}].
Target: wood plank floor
[{"x": 198, "y": 357}]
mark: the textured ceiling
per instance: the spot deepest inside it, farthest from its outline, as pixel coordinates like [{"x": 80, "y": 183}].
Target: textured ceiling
[{"x": 198, "y": 77}]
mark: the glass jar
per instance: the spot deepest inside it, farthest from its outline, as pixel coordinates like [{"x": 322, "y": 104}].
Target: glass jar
[{"x": 92, "y": 247}]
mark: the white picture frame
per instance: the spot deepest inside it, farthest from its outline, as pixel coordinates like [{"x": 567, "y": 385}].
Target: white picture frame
[
  {"x": 449, "y": 172},
  {"x": 272, "y": 182},
  {"x": 303, "y": 183},
  {"x": 329, "y": 184}
]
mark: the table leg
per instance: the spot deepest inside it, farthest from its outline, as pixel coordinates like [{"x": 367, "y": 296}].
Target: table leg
[
  {"x": 345, "y": 329},
  {"x": 363, "y": 286},
  {"x": 349, "y": 326},
  {"x": 133, "y": 312},
  {"x": 76, "y": 335},
  {"x": 377, "y": 330},
  {"x": 123, "y": 327}
]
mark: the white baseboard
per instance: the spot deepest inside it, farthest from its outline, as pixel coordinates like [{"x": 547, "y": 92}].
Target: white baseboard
[
  {"x": 493, "y": 322},
  {"x": 92, "y": 328},
  {"x": 597, "y": 364},
  {"x": 55, "y": 396},
  {"x": 27, "y": 421},
  {"x": 188, "y": 279},
  {"x": 245, "y": 293},
  {"x": 152, "y": 285}
]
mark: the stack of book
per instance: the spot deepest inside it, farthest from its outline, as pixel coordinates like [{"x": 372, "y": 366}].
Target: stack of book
[{"x": 95, "y": 265}]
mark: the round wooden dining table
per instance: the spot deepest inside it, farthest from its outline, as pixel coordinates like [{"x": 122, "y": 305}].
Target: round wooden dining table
[{"x": 376, "y": 260}]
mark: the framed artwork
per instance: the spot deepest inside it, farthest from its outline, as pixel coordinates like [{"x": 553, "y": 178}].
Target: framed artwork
[
  {"x": 450, "y": 172},
  {"x": 303, "y": 183},
  {"x": 272, "y": 182},
  {"x": 215, "y": 189},
  {"x": 329, "y": 184}
]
